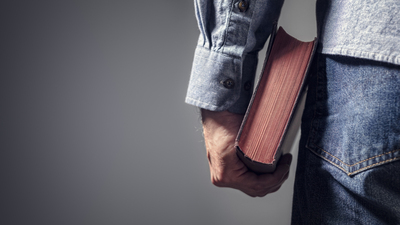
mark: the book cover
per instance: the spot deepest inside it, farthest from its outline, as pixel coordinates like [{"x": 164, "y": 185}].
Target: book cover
[{"x": 273, "y": 116}]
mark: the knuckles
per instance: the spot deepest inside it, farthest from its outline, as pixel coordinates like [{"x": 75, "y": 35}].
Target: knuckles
[{"x": 222, "y": 180}]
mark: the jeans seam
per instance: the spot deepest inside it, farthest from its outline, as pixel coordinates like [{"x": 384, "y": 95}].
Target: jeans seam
[
  {"x": 312, "y": 125},
  {"x": 356, "y": 171},
  {"x": 359, "y": 161},
  {"x": 334, "y": 164}
]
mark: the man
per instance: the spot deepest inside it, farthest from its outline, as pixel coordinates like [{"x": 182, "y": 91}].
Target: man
[{"x": 348, "y": 171}]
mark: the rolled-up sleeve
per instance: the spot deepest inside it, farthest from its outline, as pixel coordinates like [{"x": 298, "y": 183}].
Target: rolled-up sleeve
[{"x": 232, "y": 33}]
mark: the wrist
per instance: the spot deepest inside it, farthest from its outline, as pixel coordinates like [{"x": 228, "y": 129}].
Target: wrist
[
  {"x": 221, "y": 126},
  {"x": 220, "y": 118}
]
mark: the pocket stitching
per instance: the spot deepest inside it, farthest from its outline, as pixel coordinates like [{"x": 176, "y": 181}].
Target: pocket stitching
[
  {"x": 359, "y": 161},
  {"x": 356, "y": 171}
]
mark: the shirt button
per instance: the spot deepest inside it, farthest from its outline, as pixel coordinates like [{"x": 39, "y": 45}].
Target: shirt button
[
  {"x": 228, "y": 83},
  {"x": 243, "y": 5},
  {"x": 247, "y": 86}
]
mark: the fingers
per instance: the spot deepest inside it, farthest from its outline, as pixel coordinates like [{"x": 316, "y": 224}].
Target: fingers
[
  {"x": 250, "y": 183},
  {"x": 286, "y": 159},
  {"x": 283, "y": 167},
  {"x": 261, "y": 185},
  {"x": 280, "y": 174}
]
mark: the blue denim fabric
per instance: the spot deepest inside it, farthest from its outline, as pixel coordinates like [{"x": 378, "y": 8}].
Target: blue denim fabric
[{"x": 351, "y": 121}]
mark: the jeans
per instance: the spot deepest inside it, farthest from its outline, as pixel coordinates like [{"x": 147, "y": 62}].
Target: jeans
[{"x": 348, "y": 171}]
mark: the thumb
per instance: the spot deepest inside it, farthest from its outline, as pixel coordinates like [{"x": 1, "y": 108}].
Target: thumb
[
  {"x": 286, "y": 159},
  {"x": 283, "y": 167}
]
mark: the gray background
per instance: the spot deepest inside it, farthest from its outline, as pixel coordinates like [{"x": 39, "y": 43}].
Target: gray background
[{"x": 93, "y": 125}]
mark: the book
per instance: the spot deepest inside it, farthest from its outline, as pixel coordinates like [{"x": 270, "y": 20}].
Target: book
[{"x": 273, "y": 116}]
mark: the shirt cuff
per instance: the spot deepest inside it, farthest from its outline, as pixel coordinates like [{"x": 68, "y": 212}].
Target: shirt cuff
[{"x": 221, "y": 82}]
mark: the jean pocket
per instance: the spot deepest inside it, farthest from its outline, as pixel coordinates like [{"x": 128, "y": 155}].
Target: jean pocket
[{"x": 355, "y": 124}]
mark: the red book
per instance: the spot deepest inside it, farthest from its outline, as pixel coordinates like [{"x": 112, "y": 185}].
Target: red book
[{"x": 268, "y": 123}]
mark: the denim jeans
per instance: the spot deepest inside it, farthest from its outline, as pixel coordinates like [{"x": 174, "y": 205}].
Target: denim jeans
[{"x": 348, "y": 171}]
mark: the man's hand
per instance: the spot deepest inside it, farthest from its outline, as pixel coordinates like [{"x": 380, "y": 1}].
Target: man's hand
[{"x": 226, "y": 169}]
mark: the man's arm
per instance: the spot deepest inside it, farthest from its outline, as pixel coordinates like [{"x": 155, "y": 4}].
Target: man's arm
[
  {"x": 226, "y": 169},
  {"x": 231, "y": 34},
  {"x": 225, "y": 61}
]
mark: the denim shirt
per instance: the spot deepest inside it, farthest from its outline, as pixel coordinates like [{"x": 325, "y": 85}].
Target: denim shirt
[{"x": 233, "y": 32}]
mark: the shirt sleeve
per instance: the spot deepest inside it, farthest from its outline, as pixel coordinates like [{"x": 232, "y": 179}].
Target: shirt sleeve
[{"x": 232, "y": 32}]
